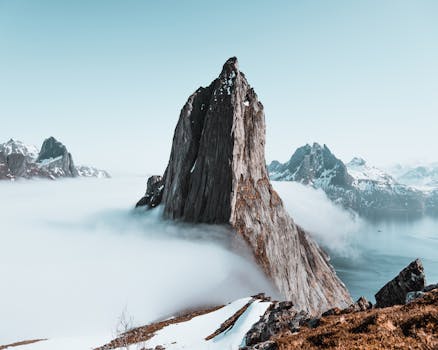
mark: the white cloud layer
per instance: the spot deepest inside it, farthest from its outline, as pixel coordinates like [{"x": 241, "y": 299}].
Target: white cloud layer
[{"x": 74, "y": 255}]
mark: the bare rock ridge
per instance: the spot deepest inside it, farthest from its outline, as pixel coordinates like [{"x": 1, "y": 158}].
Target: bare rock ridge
[
  {"x": 410, "y": 279},
  {"x": 217, "y": 174},
  {"x": 56, "y": 153}
]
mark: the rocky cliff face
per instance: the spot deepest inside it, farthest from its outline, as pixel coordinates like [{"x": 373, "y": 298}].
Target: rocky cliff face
[
  {"x": 55, "y": 156},
  {"x": 217, "y": 174}
]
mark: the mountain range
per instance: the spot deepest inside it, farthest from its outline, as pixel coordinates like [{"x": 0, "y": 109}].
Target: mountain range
[
  {"x": 357, "y": 185},
  {"x": 19, "y": 160}
]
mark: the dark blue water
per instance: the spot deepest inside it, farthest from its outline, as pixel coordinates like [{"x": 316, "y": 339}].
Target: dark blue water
[{"x": 379, "y": 250}]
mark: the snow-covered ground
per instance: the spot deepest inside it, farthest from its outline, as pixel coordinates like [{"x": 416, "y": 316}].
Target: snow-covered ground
[
  {"x": 67, "y": 343},
  {"x": 191, "y": 334},
  {"x": 15, "y": 146},
  {"x": 362, "y": 172}
]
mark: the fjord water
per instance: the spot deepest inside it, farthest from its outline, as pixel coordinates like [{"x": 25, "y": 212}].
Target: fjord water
[
  {"x": 365, "y": 253},
  {"x": 75, "y": 255},
  {"x": 382, "y": 248}
]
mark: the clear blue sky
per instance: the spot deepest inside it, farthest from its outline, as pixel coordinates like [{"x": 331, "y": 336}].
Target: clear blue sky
[{"x": 108, "y": 78}]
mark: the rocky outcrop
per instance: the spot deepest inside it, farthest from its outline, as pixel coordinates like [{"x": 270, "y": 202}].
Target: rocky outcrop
[
  {"x": 410, "y": 279},
  {"x": 217, "y": 174},
  {"x": 54, "y": 155},
  {"x": 280, "y": 318},
  {"x": 18, "y": 160},
  {"x": 362, "y": 304},
  {"x": 154, "y": 193}
]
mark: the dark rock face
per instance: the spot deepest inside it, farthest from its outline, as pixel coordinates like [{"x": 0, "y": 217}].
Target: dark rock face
[
  {"x": 16, "y": 164},
  {"x": 267, "y": 345},
  {"x": 430, "y": 287},
  {"x": 281, "y": 317},
  {"x": 217, "y": 174},
  {"x": 4, "y": 170},
  {"x": 410, "y": 279},
  {"x": 362, "y": 304},
  {"x": 313, "y": 163},
  {"x": 154, "y": 193},
  {"x": 199, "y": 150},
  {"x": 51, "y": 148},
  {"x": 59, "y": 157}
]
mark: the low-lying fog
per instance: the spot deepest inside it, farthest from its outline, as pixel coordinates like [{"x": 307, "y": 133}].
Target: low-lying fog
[
  {"x": 75, "y": 256},
  {"x": 365, "y": 254}
]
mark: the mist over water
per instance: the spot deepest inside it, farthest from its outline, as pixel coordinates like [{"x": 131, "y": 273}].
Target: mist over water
[
  {"x": 366, "y": 254},
  {"x": 75, "y": 255}
]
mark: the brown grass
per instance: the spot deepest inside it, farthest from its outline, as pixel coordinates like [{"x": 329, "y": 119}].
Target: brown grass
[
  {"x": 20, "y": 343},
  {"x": 411, "y": 326}
]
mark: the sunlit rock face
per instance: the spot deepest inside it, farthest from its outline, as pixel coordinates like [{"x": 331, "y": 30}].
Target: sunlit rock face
[{"x": 217, "y": 174}]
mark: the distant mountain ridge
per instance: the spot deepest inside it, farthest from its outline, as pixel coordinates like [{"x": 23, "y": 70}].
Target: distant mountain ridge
[
  {"x": 18, "y": 160},
  {"x": 364, "y": 189}
]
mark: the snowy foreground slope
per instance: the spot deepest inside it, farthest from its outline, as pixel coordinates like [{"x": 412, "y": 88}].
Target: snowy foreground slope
[{"x": 201, "y": 332}]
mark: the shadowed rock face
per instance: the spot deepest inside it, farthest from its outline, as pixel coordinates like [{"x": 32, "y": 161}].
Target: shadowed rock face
[
  {"x": 217, "y": 174},
  {"x": 154, "y": 193},
  {"x": 410, "y": 279},
  {"x": 51, "y": 148},
  {"x": 55, "y": 151}
]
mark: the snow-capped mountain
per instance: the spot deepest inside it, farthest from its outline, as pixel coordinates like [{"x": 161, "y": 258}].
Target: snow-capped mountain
[
  {"x": 357, "y": 185},
  {"x": 18, "y": 160},
  {"x": 423, "y": 177},
  {"x": 15, "y": 146}
]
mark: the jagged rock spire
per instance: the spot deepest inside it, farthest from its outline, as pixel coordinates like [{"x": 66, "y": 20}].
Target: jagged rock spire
[{"x": 217, "y": 174}]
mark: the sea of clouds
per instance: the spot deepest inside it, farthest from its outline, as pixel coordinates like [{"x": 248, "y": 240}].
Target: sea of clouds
[{"x": 76, "y": 255}]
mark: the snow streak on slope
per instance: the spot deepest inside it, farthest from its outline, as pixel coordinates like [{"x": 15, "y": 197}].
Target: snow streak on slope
[{"x": 191, "y": 334}]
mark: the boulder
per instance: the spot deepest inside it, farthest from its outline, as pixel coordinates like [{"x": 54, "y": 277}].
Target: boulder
[
  {"x": 410, "y": 279},
  {"x": 267, "y": 345},
  {"x": 430, "y": 287},
  {"x": 411, "y": 296},
  {"x": 281, "y": 317},
  {"x": 154, "y": 193}
]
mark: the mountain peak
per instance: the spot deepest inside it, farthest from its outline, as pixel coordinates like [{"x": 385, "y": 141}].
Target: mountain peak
[
  {"x": 231, "y": 64},
  {"x": 357, "y": 161},
  {"x": 51, "y": 148},
  {"x": 232, "y": 187}
]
